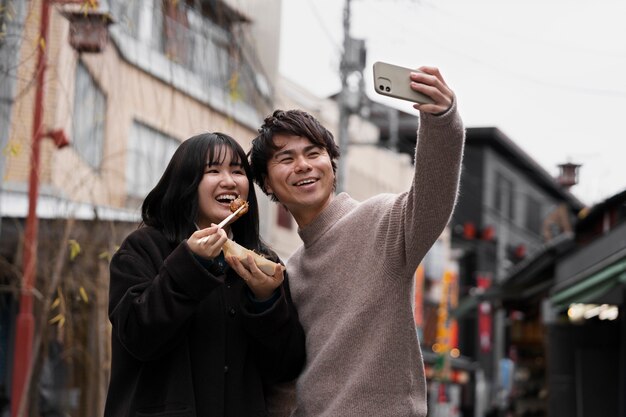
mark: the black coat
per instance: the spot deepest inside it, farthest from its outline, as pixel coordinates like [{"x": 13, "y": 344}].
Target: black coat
[{"x": 185, "y": 341}]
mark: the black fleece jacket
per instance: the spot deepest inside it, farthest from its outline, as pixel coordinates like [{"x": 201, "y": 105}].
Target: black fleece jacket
[{"x": 185, "y": 340}]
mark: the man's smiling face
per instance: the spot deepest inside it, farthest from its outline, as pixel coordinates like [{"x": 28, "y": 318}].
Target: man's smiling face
[{"x": 300, "y": 175}]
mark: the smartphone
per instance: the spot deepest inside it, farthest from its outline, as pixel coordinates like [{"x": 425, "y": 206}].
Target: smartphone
[{"x": 394, "y": 81}]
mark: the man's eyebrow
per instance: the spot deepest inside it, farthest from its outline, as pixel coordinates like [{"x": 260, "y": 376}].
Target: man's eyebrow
[
  {"x": 293, "y": 151},
  {"x": 283, "y": 152}
]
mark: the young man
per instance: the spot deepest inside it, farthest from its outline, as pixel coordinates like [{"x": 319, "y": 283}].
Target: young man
[{"x": 352, "y": 279}]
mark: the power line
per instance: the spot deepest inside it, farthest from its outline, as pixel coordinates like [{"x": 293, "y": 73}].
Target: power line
[
  {"x": 387, "y": 14},
  {"x": 336, "y": 45}
]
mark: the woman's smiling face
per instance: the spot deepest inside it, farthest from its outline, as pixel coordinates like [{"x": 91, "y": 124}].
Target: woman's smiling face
[{"x": 224, "y": 180}]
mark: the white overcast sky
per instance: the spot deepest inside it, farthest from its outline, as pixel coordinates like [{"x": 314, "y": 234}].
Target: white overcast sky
[{"x": 551, "y": 74}]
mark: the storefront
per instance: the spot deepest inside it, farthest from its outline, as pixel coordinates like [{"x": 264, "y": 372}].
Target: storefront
[
  {"x": 451, "y": 377},
  {"x": 452, "y": 384},
  {"x": 587, "y": 340}
]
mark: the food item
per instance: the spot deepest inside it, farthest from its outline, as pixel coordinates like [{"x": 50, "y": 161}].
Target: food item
[
  {"x": 238, "y": 202},
  {"x": 231, "y": 248}
]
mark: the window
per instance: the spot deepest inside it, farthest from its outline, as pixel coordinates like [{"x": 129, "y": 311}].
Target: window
[
  {"x": 533, "y": 215},
  {"x": 128, "y": 15},
  {"x": 175, "y": 35},
  {"x": 88, "y": 118},
  {"x": 211, "y": 50},
  {"x": 205, "y": 38},
  {"x": 149, "y": 152},
  {"x": 504, "y": 196}
]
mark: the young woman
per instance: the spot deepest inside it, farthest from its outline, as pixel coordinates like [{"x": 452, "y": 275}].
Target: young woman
[{"x": 190, "y": 336}]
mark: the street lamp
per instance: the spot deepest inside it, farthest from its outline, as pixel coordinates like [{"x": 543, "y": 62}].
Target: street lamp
[
  {"x": 22, "y": 359},
  {"x": 88, "y": 30}
]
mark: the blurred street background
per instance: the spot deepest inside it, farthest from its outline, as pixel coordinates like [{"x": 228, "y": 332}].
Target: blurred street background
[{"x": 519, "y": 306}]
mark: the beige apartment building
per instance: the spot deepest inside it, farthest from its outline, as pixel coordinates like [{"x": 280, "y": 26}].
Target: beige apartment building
[{"x": 126, "y": 108}]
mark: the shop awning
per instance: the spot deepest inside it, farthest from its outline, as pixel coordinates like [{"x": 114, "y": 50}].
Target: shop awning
[
  {"x": 471, "y": 302},
  {"x": 592, "y": 288},
  {"x": 525, "y": 281}
]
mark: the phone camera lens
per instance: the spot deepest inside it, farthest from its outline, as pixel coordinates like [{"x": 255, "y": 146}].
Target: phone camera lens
[
  {"x": 387, "y": 89},
  {"x": 381, "y": 87}
]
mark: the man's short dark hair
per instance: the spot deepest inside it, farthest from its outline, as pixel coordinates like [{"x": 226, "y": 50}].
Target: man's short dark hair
[{"x": 290, "y": 122}]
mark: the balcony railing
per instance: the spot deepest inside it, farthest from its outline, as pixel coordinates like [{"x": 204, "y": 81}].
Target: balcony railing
[{"x": 193, "y": 41}]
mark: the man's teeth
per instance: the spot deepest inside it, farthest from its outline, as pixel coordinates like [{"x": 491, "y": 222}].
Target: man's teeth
[{"x": 303, "y": 182}]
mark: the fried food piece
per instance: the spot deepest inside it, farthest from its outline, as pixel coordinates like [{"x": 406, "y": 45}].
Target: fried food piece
[{"x": 238, "y": 202}]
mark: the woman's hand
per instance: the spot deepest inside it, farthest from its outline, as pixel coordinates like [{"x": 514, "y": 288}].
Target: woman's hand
[
  {"x": 261, "y": 284},
  {"x": 211, "y": 246},
  {"x": 430, "y": 82}
]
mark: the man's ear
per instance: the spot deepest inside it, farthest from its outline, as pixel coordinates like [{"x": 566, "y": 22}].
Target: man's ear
[{"x": 266, "y": 187}]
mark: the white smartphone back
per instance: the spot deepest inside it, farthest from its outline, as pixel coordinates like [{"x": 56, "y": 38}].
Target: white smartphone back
[{"x": 394, "y": 81}]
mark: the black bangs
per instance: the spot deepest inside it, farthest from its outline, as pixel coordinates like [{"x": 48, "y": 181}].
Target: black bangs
[{"x": 219, "y": 151}]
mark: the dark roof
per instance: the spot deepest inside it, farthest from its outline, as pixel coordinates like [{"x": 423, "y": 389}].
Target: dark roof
[
  {"x": 529, "y": 268},
  {"x": 600, "y": 208},
  {"x": 527, "y": 280},
  {"x": 498, "y": 141}
]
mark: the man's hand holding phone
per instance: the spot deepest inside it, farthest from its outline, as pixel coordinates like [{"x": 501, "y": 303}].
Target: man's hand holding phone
[{"x": 425, "y": 87}]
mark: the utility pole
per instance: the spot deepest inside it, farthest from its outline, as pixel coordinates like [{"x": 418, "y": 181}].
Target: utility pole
[
  {"x": 25, "y": 323},
  {"x": 344, "y": 115},
  {"x": 88, "y": 33},
  {"x": 351, "y": 68}
]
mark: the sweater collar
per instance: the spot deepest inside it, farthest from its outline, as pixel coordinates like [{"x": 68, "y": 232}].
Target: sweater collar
[{"x": 338, "y": 207}]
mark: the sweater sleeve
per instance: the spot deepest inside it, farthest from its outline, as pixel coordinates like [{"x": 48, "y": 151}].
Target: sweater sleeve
[
  {"x": 417, "y": 217},
  {"x": 150, "y": 300}
]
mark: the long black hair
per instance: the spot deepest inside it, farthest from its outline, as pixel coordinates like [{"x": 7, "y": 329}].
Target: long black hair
[{"x": 172, "y": 205}]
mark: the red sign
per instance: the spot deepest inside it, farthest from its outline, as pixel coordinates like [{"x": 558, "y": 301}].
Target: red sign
[
  {"x": 418, "y": 309},
  {"x": 484, "y": 316}
]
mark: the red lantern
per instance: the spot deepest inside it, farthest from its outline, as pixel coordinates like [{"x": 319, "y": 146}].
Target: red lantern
[
  {"x": 488, "y": 233},
  {"x": 469, "y": 231}
]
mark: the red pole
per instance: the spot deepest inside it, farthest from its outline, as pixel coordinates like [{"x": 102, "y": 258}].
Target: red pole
[{"x": 25, "y": 326}]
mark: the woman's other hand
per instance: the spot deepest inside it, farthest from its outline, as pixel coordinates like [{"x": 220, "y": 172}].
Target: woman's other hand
[{"x": 261, "y": 284}]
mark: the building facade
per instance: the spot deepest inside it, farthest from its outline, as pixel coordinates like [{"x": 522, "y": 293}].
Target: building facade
[
  {"x": 587, "y": 324},
  {"x": 505, "y": 217}
]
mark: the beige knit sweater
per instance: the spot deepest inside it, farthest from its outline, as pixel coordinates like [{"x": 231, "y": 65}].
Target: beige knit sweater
[{"x": 352, "y": 283}]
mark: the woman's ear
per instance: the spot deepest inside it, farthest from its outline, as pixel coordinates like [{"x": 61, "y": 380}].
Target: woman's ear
[{"x": 267, "y": 188}]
